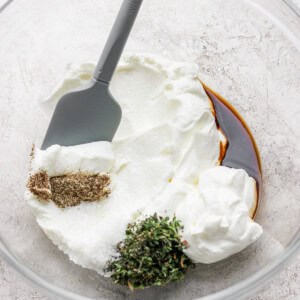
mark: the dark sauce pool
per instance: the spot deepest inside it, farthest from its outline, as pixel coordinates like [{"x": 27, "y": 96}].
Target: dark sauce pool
[{"x": 241, "y": 150}]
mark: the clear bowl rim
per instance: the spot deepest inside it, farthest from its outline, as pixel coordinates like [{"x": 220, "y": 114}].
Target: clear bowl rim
[{"x": 243, "y": 288}]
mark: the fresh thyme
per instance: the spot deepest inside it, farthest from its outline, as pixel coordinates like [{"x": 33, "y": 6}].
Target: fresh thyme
[{"x": 151, "y": 254}]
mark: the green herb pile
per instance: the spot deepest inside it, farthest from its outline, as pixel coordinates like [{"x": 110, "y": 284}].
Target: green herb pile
[{"x": 151, "y": 254}]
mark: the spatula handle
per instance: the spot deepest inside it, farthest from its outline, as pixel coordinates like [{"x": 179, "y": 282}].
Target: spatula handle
[{"x": 117, "y": 40}]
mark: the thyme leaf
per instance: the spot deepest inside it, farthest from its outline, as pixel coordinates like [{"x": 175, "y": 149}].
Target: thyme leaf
[{"x": 151, "y": 254}]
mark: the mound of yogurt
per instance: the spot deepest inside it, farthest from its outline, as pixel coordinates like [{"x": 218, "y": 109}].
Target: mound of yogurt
[{"x": 165, "y": 158}]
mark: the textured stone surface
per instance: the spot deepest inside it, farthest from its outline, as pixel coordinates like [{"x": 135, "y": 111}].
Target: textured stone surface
[{"x": 252, "y": 58}]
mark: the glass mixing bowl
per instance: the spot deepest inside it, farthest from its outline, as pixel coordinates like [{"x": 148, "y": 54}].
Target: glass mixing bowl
[{"x": 249, "y": 51}]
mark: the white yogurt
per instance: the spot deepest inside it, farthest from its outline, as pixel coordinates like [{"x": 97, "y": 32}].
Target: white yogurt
[{"x": 164, "y": 159}]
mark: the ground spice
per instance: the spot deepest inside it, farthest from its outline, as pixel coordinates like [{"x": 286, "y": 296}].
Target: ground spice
[
  {"x": 71, "y": 189},
  {"x": 32, "y": 154},
  {"x": 39, "y": 185}
]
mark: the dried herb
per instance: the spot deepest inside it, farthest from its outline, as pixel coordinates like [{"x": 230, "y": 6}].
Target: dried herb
[
  {"x": 151, "y": 254},
  {"x": 71, "y": 189}
]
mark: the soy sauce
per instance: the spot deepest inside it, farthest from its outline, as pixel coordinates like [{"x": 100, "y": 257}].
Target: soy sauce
[{"x": 241, "y": 150}]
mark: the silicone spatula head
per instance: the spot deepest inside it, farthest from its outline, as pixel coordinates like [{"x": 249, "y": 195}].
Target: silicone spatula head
[{"x": 87, "y": 115}]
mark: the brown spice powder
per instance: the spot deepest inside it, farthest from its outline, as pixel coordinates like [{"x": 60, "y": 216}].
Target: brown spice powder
[
  {"x": 32, "y": 154},
  {"x": 69, "y": 190},
  {"x": 39, "y": 185}
]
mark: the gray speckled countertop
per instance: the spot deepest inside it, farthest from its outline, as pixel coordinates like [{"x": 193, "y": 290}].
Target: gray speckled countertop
[{"x": 285, "y": 286}]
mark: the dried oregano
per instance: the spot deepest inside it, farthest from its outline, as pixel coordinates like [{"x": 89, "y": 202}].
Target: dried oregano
[{"x": 151, "y": 254}]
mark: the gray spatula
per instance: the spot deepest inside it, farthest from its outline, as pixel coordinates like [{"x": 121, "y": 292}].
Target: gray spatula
[{"x": 90, "y": 113}]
